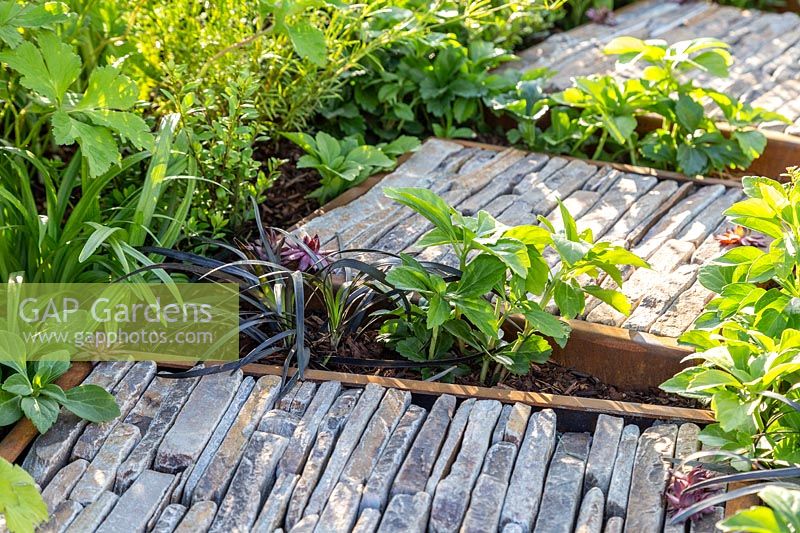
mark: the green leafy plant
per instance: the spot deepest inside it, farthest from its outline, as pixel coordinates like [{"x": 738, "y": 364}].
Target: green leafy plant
[
  {"x": 345, "y": 163},
  {"x": 20, "y": 502},
  {"x": 501, "y": 272},
  {"x": 780, "y": 515}
]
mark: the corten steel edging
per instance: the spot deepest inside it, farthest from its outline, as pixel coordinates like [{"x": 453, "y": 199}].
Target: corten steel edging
[
  {"x": 535, "y": 399},
  {"x": 23, "y": 432}
]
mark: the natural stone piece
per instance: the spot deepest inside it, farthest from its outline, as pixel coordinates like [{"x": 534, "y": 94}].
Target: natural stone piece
[
  {"x": 102, "y": 471},
  {"x": 140, "y": 503},
  {"x": 170, "y": 516},
  {"x": 141, "y": 458},
  {"x": 659, "y": 297},
  {"x": 605, "y": 441},
  {"x": 641, "y": 211},
  {"x": 543, "y": 197},
  {"x": 618, "y": 488},
  {"x": 451, "y": 498},
  {"x": 66, "y": 512},
  {"x": 615, "y": 203},
  {"x": 271, "y": 515},
  {"x": 502, "y": 183},
  {"x": 649, "y": 478},
  {"x": 50, "y": 451},
  {"x": 517, "y": 422},
  {"x": 527, "y": 480},
  {"x": 500, "y": 427},
  {"x": 306, "y": 525},
  {"x": 180, "y": 485},
  {"x": 513, "y": 528},
  {"x": 348, "y": 441},
  {"x": 376, "y": 491},
  {"x": 198, "y": 518},
  {"x": 279, "y": 422},
  {"x": 406, "y": 514},
  {"x": 300, "y": 401},
  {"x": 214, "y": 481},
  {"x": 489, "y": 493},
  {"x": 93, "y": 515},
  {"x": 253, "y": 479},
  {"x": 368, "y": 521},
  {"x": 416, "y": 468},
  {"x": 710, "y": 248},
  {"x": 702, "y": 226},
  {"x": 590, "y": 516},
  {"x": 193, "y": 474},
  {"x": 306, "y": 431},
  {"x": 518, "y": 212},
  {"x": 534, "y": 179},
  {"x": 614, "y": 525},
  {"x": 149, "y": 403},
  {"x": 449, "y": 449},
  {"x": 687, "y": 441},
  {"x": 562, "y": 490},
  {"x": 317, "y": 459},
  {"x": 481, "y": 177},
  {"x": 62, "y": 483},
  {"x": 341, "y": 511},
  {"x": 184, "y": 442},
  {"x": 683, "y": 311},
  {"x": 126, "y": 393},
  {"x": 603, "y": 180},
  {"x": 707, "y": 522}
]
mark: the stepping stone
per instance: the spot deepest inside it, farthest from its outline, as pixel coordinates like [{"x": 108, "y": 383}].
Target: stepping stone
[
  {"x": 649, "y": 478},
  {"x": 619, "y": 487},
  {"x": 214, "y": 482},
  {"x": 527, "y": 480},
  {"x": 605, "y": 440},
  {"x": 274, "y": 510},
  {"x": 449, "y": 449},
  {"x": 487, "y": 498},
  {"x": 101, "y": 472},
  {"x": 93, "y": 515},
  {"x": 341, "y": 512},
  {"x": 368, "y": 521},
  {"x": 562, "y": 490},
  {"x": 169, "y": 519},
  {"x": 590, "y": 516},
  {"x": 406, "y": 514},
  {"x": 198, "y": 518},
  {"x": 317, "y": 459},
  {"x": 140, "y": 503},
  {"x": 62, "y": 483},
  {"x": 184, "y": 442}
]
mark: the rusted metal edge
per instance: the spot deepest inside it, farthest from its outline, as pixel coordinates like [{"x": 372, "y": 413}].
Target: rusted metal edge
[
  {"x": 23, "y": 432},
  {"x": 536, "y": 399}
]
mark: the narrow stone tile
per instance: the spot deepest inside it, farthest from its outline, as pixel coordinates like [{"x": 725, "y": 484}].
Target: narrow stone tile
[
  {"x": 660, "y": 296},
  {"x": 214, "y": 481},
  {"x": 543, "y": 197},
  {"x": 605, "y": 441},
  {"x": 702, "y": 226},
  {"x": 279, "y": 422},
  {"x": 348, "y": 441},
  {"x": 614, "y": 525},
  {"x": 406, "y": 514},
  {"x": 300, "y": 401},
  {"x": 489, "y": 493},
  {"x": 93, "y": 515},
  {"x": 195, "y": 472},
  {"x": 184, "y": 442},
  {"x": 527, "y": 480},
  {"x": 306, "y": 525},
  {"x": 274, "y": 510},
  {"x": 141, "y": 458},
  {"x": 649, "y": 479},
  {"x": 66, "y": 512},
  {"x": 517, "y": 422},
  {"x": 641, "y": 211},
  {"x": 101, "y": 473},
  {"x": 139, "y": 504},
  {"x": 169, "y": 519},
  {"x": 317, "y": 459},
  {"x": 500, "y": 427},
  {"x": 535, "y": 179},
  {"x": 198, "y": 518},
  {"x": 148, "y": 404},
  {"x": 619, "y": 487},
  {"x": 590, "y": 516},
  {"x": 562, "y": 490},
  {"x": 376, "y": 491},
  {"x": 253, "y": 479},
  {"x": 341, "y": 511},
  {"x": 51, "y": 451},
  {"x": 502, "y": 183},
  {"x": 615, "y": 203},
  {"x": 62, "y": 484},
  {"x": 687, "y": 441},
  {"x": 682, "y": 312},
  {"x": 126, "y": 393},
  {"x": 368, "y": 521},
  {"x": 449, "y": 449},
  {"x": 452, "y": 493}
]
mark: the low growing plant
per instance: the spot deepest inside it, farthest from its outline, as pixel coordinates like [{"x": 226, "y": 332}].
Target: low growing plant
[{"x": 21, "y": 505}]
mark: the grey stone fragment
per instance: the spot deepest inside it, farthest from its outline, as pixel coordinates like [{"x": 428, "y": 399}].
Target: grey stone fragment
[
  {"x": 348, "y": 441},
  {"x": 561, "y": 184},
  {"x": 618, "y": 489},
  {"x": 452, "y": 493},
  {"x": 590, "y": 516},
  {"x": 406, "y": 514},
  {"x": 486, "y": 501},
  {"x": 317, "y": 459},
  {"x": 66, "y": 512},
  {"x": 502, "y": 183},
  {"x": 300, "y": 401},
  {"x": 527, "y": 480},
  {"x": 214, "y": 481},
  {"x": 615, "y": 203},
  {"x": 62, "y": 483},
  {"x": 517, "y": 422},
  {"x": 614, "y": 525},
  {"x": 193, "y": 474},
  {"x": 659, "y": 297},
  {"x": 141, "y": 458},
  {"x": 140, "y": 503},
  {"x": 93, "y": 515},
  {"x": 562, "y": 490},
  {"x": 513, "y": 528},
  {"x": 449, "y": 449},
  {"x": 687, "y": 441},
  {"x": 187, "y": 438},
  {"x": 641, "y": 211},
  {"x": 126, "y": 393},
  {"x": 682, "y": 312},
  {"x": 368, "y": 521},
  {"x": 51, "y": 451},
  {"x": 102, "y": 471},
  {"x": 198, "y": 518},
  {"x": 148, "y": 404},
  {"x": 702, "y": 226},
  {"x": 169, "y": 519},
  {"x": 376, "y": 491},
  {"x": 341, "y": 511},
  {"x": 413, "y": 474},
  {"x": 500, "y": 427},
  {"x": 279, "y": 422},
  {"x": 535, "y": 179},
  {"x": 518, "y": 212},
  {"x": 306, "y": 525},
  {"x": 603, "y": 180},
  {"x": 253, "y": 479},
  {"x": 605, "y": 441},
  {"x": 274, "y": 510},
  {"x": 649, "y": 479}
]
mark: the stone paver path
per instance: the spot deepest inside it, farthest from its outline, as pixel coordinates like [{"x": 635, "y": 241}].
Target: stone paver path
[
  {"x": 671, "y": 224},
  {"x": 330, "y": 458},
  {"x": 765, "y": 48}
]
